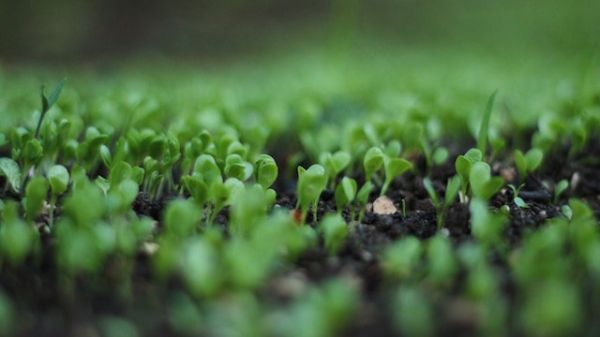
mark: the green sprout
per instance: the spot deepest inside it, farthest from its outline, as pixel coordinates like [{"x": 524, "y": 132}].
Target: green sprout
[
  {"x": 58, "y": 177},
  {"x": 266, "y": 170},
  {"x": 559, "y": 189},
  {"x": 413, "y": 313},
  {"x": 10, "y": 169},
  {"x": 47, "y": 103},
  {"x": 373, "y": 161},
  {"x": 335, "y": 232},
  {"x": 401, "y": 259},
  {"x": 394, "y": 167},
  {"x": 345, "y": 192},
  {"x": 527, "y": 163},
  {"x": 311, "y": 182},
  {"x": 486, "y": 226},
  {"x": 362, "y": 198},
  {"x": 35, "y": 195},
  {"x": 517, "y": 200},
  {"x": 482, "y": 137},
  {"x": 483, "y": 185},
  {"x": 334, "y": 164},
  {"x": 452, "y": 189},
  {"x": 464, "y": 164}
]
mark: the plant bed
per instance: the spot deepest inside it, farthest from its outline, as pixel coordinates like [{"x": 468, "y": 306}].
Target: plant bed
[{"x": 231, "y": 222}]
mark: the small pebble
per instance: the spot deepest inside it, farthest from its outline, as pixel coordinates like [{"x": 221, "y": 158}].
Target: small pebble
[
  {"x": 384, "y": 206},
  {"x": 575, "y": 179},
  {"x": 445, "y": 232}
]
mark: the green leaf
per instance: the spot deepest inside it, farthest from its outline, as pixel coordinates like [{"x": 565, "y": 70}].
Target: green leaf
[
  {"x": 58, "y": 177},
  {"x": 440, "y": 155},
  {"x": 236, "y": 167},
  {"x": 311, "y": 183},
  {"x": 365, "y": 191},
  {"x": 335, "y": 232},
  {"x": 55, "y": 94},
  {"x": 482, "y": 183},
  {"x": 452, "y": 189},
  {"x": 207, "y": 167},
  {"x": 394, "y": 167},
  {"x": 197, "y": 188},
  {"x": 266, "y": 170},
  {"x": 345, "y": 192},
  {"x": 33, "y": 151},
  {"x": 534, "y": 159},
  {"x": 10, "y": 169},
  {"x": 560, "y": 188},
  {"x": 521, "y": 164},
  {"x": 482, "y": 137},
  {"x": 181, "y": 218},
  {"x": 373, "y": 161},
  {"x": 431, "y": 191},
  {"x": 35, "y": 194}
]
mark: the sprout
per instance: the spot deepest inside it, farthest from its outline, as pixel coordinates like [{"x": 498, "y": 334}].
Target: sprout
[
  {"x": 345, "y": 192},
  {"x": 483, "y": 185},
  {"x": 516, "y": 198},
  {"x": 266, "y": 170},
  {"x": 362, "y": 197},
  {"x": 559, "y": 189},
  {"x": 10, "y": 169},
  {"x": 181, "y": 218},
  {"x": 529, "y": 162},
  {"x": 334, "y": 164},
  {"x": 16, "y": 236},
  {"x": 413, "y": 313},
  {"x": 373, "y": 161},
  {"x": 463, "y": 165},
  {"x": 400, "y": 259},
  {"x": 311, "y": 183},
  {"x": 58, "y": 177},
  {"x": 452, "y": 189},
  {"x": 486, "y": 227},
  {"x": 47, "y": 103},
  {"x": 482, "y": 137},
  {"x": 35, "y": 195},
  {"x": 236, "y": 167},
  {"x": 335, "y": 232},
  {"x": 394, "y": 167},
  {"x": 441, "y": 262}
]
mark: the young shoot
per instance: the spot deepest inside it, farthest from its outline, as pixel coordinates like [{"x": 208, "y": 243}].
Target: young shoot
[
  {"x": 266, "y": 170},
  {"x": 373, "y": 161},
  {"x": 452, "y": 188},
  {"x": 311, "y": 182},
  {"x": 463, "y": 165},
  {"x": 482, "y": 137},
  {"x": 335, "y": 232},
  {"x": 516, "y": 198},
  {"x": 394, "y": 167},
  {"x": 345, "y": 192},
  {"x": 401, "y": 258},
  {"x": 334, "y": 164},
  {"x": 58, "y": 177},
  {"x": 47, "y": 103},
  {"x": 11, "y": 171},
  {"x": 362, "y": 198},
  {"x": 527, "y": 163},
  {"x": 483, "y": 185},
  {"x": 559, "y": 189}
]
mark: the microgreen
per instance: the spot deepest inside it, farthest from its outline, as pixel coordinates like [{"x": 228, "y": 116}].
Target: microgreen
[
  {"x": 452, "y": 189},
  {"x": 345, "y": 192},
  {"x": 373, "y": 161},
  {"x": 394, "y": 167},
  {"x": 559, "y": 189},
  {"x": 334, "y": 164},
  {"x": 529, "y": 162},
  {"x": 311, "y": 182},
  {"x": 10, "y": 169},
  {"x": 266, "y": 170},
  {"x": 482, "y": 136},
  {"x": 517, "y": 200},
  {"x": 335, "y": 231},
  {"x": 401, "y": 258},
  {"x": 47, "y": 103},
  {"x": 483, "y": 185}
]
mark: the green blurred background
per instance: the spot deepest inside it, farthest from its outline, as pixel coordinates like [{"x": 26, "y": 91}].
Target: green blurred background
[{"x": 90, "y": 31}]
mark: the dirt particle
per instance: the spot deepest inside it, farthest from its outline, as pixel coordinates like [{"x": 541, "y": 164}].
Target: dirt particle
[{"x": 384, "y": 206}]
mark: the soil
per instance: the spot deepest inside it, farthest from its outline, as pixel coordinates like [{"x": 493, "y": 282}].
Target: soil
[{"x": 46, "y": 309}]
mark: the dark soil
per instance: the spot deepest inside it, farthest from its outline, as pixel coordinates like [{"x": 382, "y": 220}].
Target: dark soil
[{"x": 49, "y": 310}]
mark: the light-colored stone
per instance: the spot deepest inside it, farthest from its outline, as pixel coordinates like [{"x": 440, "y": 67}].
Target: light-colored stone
[{"x": 384, "y": 206}]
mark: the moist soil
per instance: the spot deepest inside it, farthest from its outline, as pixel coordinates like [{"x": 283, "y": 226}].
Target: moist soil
[{"x": 47, "y": 308}]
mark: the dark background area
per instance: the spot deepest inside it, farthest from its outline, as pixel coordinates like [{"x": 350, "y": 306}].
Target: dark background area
[{"x": 75, "y": 31}]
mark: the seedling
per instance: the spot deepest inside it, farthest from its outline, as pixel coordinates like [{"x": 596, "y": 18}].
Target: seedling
[
  {"x": 400, "y": 259},
  {"x": 335, "y": 232},
  {"x": 35, "y": 195},
  {"x": 373, "y": 161},
  {"x": 516, "y": 198},
  {"x": 266, "y": 170},
  {"x": 485, "y": 226},
  {"x": 527, "y": 163},
  {"x": 483, "y": 185},
  {"x": 452, "y": 189},
  {"x": 58, "y": 177},
  {"x": 47, "y": 103},
  {"x": 482, "y": 137},
  {"x": 345, "y": 192},
  {"x": 10, "y": 169},
  {"x": 362, "y": 197},
  {"x": 311, "y": 183},
  {"x": 441, "y": 262},
  {"x": 394, "y": 167},
  {"x": 334, "y": 164},
  {"x": 413, "y": 313},
  {"x": 559, "y": 189},
  {"x": 463, "y": 165}
]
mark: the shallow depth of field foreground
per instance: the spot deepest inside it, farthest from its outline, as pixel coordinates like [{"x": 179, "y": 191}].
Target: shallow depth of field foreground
[{"x": 300, "y": 168}]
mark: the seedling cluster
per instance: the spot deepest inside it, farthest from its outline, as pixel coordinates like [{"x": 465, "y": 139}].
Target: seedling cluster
[{"x": 241, "y": 212}]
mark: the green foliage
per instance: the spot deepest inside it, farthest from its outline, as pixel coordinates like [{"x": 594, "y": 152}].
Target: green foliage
[
  {"x": 413, "y": 313},
  {"x": 335, "y": 163},
  {"x": 311, "y": 183},
  {"x": 559, "y": 189},
  {"x": 486, "y": 227},
  {"x": 58, "y": 177},
  {"x": 335, "y": 232},
  {"x": 373, "y": 161},
  {"x": 35, "y": 195},
  {"x": 345, "y": 192},
  {"x": 394, "y": 167},
  {"x": 266, "y": 170},
  {"x": 441, "y": 262},
  {"x": 483, "y": 185},
  {"x": 10, "y": 169},
  {"x": 529, "y": 162},
  {"x": 482, "y": 136},
  {"x": 450, "y": 195},
  {"x": 400, "y": 259}
]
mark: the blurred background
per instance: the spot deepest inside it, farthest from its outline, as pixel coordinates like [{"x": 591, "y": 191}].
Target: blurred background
[{"x": 90, "y": 31}]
